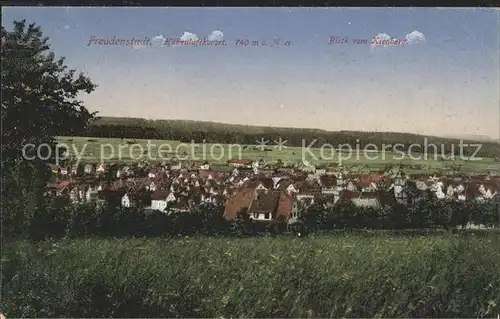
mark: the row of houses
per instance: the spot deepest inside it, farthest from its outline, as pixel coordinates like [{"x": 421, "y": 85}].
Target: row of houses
[
  {"x": 266, "y": 194},
  {"x": 124, "y": 170}
]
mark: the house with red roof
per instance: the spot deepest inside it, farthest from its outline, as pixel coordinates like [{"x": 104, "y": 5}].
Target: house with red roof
[{"x": 263, "y": 206}]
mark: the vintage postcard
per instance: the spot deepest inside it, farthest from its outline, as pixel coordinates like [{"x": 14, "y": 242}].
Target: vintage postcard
[{"x": 250, "y": 162}]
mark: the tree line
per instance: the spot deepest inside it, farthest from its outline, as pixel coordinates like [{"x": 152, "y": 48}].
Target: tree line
[
  {"x": 61, "y": 218},
  {"x": 197, "y": 131}
]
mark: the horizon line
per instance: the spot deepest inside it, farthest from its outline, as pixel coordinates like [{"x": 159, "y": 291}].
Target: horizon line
[{"x": 451, "y": 136}]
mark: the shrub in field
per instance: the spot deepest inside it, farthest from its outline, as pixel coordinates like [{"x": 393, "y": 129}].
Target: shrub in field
[
  {"x": 315, "y": 217},
  {"x": 208, "y": 219},
  {"x": 53, "y": 222},
  {"x": 428, "y": 214},
  {"x": 435, "y": 213},
  {"x": 486, "y": 213},
  {"x": 156, "y": 223},
  {"x": 241, "y": 225}
]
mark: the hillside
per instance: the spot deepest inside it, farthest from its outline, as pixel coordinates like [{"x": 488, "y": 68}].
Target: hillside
[
  {"x": 475, "y": 137},
  {"x": 213, "y": 132}
]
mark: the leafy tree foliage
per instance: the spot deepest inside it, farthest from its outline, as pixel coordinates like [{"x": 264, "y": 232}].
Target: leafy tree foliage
[
  {"x": 39, "y": 102},
  {"x": 209, "y": 219},
  {"x": 241, "y": 225},
  {"x": 111, "y": 220}
]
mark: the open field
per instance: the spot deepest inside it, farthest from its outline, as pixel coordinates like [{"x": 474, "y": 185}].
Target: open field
[
  {"x": 122, "y": 150},
  {"x": 342, "y": 275}
]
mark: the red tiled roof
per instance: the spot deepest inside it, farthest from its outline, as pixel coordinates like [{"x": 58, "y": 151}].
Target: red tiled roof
[
  {"x": 365, "y": 182},
  {"x": 472, "y": 190},
  {"x": 215, "y": 174},
  {"x": 472, "y": 187},
  {"x": 238, "y": 202},
  {"x": 254, "y": 183},
  {"x": 284, "y": 207}
]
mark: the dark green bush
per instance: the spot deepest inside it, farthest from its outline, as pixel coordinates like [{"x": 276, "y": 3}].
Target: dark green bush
[{"x": 60, "y": 218}]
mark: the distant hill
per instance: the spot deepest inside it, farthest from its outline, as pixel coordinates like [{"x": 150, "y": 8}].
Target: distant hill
[
  {"x": 475, "y": 137},
  {"x": 214, "y": 132}
]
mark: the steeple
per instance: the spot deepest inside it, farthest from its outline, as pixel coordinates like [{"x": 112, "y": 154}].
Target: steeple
[{"x": 341, "y": 176}]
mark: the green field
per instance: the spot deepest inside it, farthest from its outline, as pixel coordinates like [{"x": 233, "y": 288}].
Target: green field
[
  {"x": 118, "y": 150},
  {"x": 342, "y": 275}
]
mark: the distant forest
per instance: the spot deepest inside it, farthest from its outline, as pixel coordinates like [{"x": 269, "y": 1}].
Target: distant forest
[{"x": 212, "y": 132}]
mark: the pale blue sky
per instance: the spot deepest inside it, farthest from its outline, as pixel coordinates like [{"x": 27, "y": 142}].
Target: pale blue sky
[{"x": 447, "y": 84}]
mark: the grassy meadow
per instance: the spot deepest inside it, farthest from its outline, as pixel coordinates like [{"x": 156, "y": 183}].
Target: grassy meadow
[
  {"x": 118, "y": 150},
  {"x": 343, "y": 275}
]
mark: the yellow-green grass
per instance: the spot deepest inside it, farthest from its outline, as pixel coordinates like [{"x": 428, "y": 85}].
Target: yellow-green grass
[
  {"x": 359, "y": 276},
  {"x": 118, "y": 150}
]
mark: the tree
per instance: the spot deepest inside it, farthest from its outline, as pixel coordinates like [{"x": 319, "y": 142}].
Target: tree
[
  {"x": 242, "y": 225},
  {"x": 209, "y": 218},
  {"x": 39, "y": 102},
  {"x": 314, "y": 217}
]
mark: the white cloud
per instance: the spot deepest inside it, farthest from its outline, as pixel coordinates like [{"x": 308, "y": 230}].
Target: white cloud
[
  {"x": 66, "y": 27},
  {"x": 216, "y": 36},
  {"x": 159, "y": 41},
  {"x": 188, "y": 36},
  {"x": 415, "y": 37}
]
